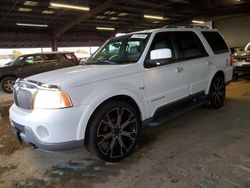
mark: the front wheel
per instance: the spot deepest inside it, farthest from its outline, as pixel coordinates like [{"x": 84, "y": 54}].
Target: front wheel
[
  {"x": 113, "y": 131},
  {"x": 7, "y": 84},
  {"x": 217, "y": 92}
]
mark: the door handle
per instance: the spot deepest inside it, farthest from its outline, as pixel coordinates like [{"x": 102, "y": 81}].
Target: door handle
[
  {"x": 179, "y": 69},
  {"x": 209, "y": 63}
]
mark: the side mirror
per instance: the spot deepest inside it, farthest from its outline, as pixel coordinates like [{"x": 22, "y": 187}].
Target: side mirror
[
  {"x": 159, "y": 57},
  {"x": 161, "y": 54}
]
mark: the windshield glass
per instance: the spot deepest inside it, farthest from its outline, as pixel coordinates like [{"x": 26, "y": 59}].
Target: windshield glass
[
  {"x": 18, "y": 60},
  {"x": 120, "y": 50},
  {"x": 246, "y": 47}
]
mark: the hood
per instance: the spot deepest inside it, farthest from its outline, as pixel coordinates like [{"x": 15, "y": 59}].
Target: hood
[
  {"x": 10, "y": 67},
  {"x": 83, "y": 74},
  {"x": 242, "y": 54}
]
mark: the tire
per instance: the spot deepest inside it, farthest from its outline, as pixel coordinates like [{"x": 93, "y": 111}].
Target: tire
[
  {"x": 7, "y": 84},
  {"x": 113, "y": 131},
  {"x": 217, "y": 92}
]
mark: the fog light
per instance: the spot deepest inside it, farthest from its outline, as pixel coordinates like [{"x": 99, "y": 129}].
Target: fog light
[{"x": 42, "y": 132}]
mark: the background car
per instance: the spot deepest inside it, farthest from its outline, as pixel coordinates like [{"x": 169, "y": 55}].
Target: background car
[
  {"x": 31, "y": 64},
  {"x": 241, "y": 60}
]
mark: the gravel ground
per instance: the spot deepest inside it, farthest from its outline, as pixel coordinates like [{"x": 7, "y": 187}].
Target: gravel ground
[
  {"x": 5, "y": 101},
  {"x": 201, "y": 148},
  {"x": 5, "y": 98}
]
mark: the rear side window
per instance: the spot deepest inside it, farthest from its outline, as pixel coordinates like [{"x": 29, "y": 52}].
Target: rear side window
[
  {"x": 216, "y": 42},
  {"x": 69, "y": 57},
  {"x": 188, "y": 46},
  {"x": 51, "y": 57}
]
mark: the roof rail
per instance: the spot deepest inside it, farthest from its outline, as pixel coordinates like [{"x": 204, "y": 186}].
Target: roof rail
[
  {"x": 198, "y": 26},
  {"x": 171, "y": 26},
  {"x": 189, "y": 26}
]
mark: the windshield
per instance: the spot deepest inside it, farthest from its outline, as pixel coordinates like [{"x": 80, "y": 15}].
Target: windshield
[
  {"x": 246, "y": 47},
  {"x": 120, "y": 50},
  {"x": 18, "y": 60}
]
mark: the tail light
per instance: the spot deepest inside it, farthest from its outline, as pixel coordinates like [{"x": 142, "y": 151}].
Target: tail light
[{"x": 231, "y": 59}]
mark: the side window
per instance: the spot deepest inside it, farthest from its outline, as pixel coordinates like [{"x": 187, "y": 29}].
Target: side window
[
  {"x": 51, "y": 57},
  {"x": 188, "y": 45},
  {"x": 69, "y": 57},
  {"x": 162, "y": 40},
  {"x": 33, "y": 59},
  {"x": 216, "y": 42}
]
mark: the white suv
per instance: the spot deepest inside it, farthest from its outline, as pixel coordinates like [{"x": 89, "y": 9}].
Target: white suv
[{"x": 140, "y": 78}]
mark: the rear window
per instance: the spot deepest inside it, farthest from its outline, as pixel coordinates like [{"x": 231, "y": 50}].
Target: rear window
[{"x": 216, "y": 42}]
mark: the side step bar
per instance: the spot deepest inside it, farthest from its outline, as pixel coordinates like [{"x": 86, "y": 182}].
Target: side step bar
[{"x": 177, "y": 109}]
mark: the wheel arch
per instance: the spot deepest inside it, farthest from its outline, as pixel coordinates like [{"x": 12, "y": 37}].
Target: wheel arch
[
  {"x": 128, "y": 97},
  {"x": 4, "y": 76},
  {"x": 217, "y": 73},
  {"x": 123, "y": 98}
]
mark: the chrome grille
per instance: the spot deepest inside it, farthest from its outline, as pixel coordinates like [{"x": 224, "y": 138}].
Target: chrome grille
[
  {"x": 23, "y": 95},
  {"x": 25, "y": 91},
  {"x": 23, "y": 98}
]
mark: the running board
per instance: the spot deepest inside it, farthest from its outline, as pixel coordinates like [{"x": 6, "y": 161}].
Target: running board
[{"x": 174, "y": 111}]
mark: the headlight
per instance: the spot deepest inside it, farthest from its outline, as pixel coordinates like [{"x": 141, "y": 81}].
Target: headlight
[{"x": 52, "y": 99}]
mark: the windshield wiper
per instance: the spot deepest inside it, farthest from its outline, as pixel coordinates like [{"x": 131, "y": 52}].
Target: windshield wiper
[{"x": 106, "y": 61}]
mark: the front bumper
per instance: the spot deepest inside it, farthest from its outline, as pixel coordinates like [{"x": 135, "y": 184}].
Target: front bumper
[
  {"x": 241, "y": 67},
  {"x": 51, "y": 130},
  {"x": 26, "y": 134}
]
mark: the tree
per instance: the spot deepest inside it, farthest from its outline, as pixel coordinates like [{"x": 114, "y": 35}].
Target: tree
[{"x": 16, "y": 53}]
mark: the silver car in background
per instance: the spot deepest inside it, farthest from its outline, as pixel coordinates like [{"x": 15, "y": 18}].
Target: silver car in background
[{"x": 241, "y": 59}]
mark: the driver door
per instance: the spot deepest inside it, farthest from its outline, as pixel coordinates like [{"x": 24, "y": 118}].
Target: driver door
[
  {"x": 165, "y": 83},
  {"x": 31, "y": 65}
]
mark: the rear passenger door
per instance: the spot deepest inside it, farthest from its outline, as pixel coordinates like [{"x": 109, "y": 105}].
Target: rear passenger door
[
  {"x": 194, "y": 59},
  {"x": 51, "y": 62},
  {"x": 220, "y": 56}
]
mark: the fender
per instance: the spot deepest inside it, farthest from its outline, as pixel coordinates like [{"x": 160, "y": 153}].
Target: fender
[
  {"x": 213, "y": 73},
  {"x": 107, "y": 93}
]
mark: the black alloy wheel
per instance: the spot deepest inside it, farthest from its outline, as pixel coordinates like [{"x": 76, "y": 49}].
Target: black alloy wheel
[
  {"x": 217, "y": 92},
  {"x": 114, "y": 131}
]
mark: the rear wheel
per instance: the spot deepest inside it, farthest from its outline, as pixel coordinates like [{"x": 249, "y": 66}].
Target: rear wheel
[
  {"x": 7, "y": 84},
  {"x": 217, "y": 92},
  {"x": 113, "y": 131}
]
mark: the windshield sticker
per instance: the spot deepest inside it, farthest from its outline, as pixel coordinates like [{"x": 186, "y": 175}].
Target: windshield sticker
[{"x": 138, "y": 36}]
